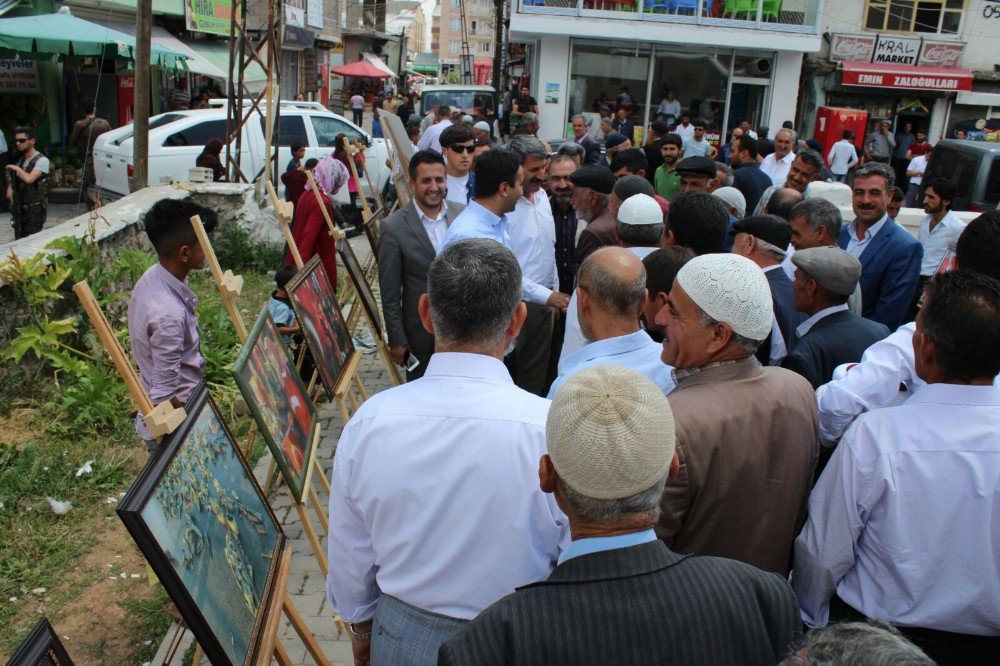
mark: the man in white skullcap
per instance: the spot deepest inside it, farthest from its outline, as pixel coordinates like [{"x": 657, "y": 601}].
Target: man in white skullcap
[
  {"x": 611, "y": 295},
  {"x": 746, "y": 435},
  {"x": 654, "y": 605}
]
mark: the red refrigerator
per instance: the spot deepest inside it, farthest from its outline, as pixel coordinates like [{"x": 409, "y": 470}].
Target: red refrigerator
[{"x": 831, "y": 123}]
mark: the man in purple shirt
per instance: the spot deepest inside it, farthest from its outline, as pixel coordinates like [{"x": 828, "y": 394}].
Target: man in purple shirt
[{"x": 162, "y": 327}]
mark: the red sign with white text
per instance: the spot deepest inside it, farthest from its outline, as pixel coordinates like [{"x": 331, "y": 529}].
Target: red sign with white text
[
  {"x": 872, "y": 75},
  {"x": 126, "y": 98}
]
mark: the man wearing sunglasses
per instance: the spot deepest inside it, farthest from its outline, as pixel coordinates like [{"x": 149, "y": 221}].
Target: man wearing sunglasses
[
  {"x": 27, "y": 187},
  {"x": 457, "y": 146}
]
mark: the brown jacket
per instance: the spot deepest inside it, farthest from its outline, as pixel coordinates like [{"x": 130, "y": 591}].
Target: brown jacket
[
  {"x": 598, "y": 233},
  {"x": 748, "y": 442}
]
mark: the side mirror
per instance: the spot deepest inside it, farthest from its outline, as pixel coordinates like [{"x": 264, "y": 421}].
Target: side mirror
[{"x": 368, "y": 140}]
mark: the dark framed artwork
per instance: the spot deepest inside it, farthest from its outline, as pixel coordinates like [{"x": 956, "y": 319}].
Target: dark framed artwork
[
  {"x": 41, "y": 647},
  {"x": 322, "y": 323},
  {"x": 361, "y": 287},
  {"x": 373, "y": 228},
  {"x": 277, "y": 398},
  {"x": 201, "y": 521}
]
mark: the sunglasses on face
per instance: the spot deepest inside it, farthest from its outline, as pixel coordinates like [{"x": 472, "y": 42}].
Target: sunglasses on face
[
  {"x": 21, "y": 140},
  {"x": 463, "y": 148}
]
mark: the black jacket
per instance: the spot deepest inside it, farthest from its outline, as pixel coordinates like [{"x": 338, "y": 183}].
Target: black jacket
[
  {"x": 841, "y": 337},
  {"x": 639, "y": 605}
]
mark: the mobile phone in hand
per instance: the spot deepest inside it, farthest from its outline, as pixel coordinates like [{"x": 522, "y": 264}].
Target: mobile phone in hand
[{"x": 410, "y": 362}]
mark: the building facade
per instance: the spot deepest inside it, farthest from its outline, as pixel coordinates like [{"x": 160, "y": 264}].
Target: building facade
[
  {"x": 721, "y": 65},
  {"x": 933, "y": 63},
  {"x": 481, "y": 27}
]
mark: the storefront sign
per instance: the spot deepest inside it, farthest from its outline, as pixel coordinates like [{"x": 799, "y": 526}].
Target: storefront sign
[
  {"x": 211, "y": 16},
  {"x": 891, "y": 50},
  {"x": 309, "y": 71},
  {"x": 856, "y": 48},
  {"x": 941, "y": 54},
  {"x": 126, "y": 98},
  {"x": 896, "y": 50},
  {"x": 297, "y": 38},
  {"x": 915, "y": 80},
  {"x": 19, "y": 76},
  {"x": 295, "y": 16},
  {"x": 314, "y": 13}
]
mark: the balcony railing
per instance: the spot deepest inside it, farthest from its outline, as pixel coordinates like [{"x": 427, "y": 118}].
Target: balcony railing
[{"x": 780, "y": 15}]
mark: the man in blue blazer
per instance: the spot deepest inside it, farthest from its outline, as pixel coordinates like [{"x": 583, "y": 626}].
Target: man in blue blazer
[
  {"x": 592, "y": 149},
  {"x": 890, "y": 256}
]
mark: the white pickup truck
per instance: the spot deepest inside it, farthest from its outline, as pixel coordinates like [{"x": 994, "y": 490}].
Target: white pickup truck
[{"x": 177, "y": 138}]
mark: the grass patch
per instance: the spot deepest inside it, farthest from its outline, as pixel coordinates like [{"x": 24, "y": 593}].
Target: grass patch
[{"x": 148, "y": 620}]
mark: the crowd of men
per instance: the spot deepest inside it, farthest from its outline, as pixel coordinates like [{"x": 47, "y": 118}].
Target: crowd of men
[{"x": 671, "y": 413}]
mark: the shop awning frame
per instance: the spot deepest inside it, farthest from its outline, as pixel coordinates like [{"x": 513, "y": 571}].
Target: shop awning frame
[
  {"x": 361, "y": 69},
  {"x": 66, "y": 35},
  {"x": 905, "y": 77}
]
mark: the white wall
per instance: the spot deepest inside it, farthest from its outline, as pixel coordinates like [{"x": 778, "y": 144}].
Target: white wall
[
  {"x": 553, "y": 67},
  {"x": 785, "y": 90}
]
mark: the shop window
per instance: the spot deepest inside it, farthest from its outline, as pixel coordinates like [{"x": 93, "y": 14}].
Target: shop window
[
  {"x": 926, "y": 16},
  {"x": 198, "y": 135},
  {"x": 327, "y": 129},
  {"x": 291, "y": 129}
]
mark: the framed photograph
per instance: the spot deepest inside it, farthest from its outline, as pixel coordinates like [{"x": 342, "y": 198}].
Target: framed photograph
[
  {"x": 201, "y": 521},
  {"x": 41, "y": 647},
  {"x": 361, "y": 287},
  {"x": 266, "y": 376},
  {"x": 373, "y": 228},
  {"x": 322, "y": 323}
]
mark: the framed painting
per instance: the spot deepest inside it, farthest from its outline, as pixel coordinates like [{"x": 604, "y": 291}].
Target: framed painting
[
  {"x": 373, "y": 228},
  {"x": 201, "y": 521},
  {"x": 41, "y": 647},
  {"x": 322, "y": 323},
  {"x": 361, "y": 287},
  {"x": 277, "y": 398}
]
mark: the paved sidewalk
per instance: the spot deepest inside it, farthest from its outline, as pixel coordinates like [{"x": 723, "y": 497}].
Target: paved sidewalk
[{"x": 306, "y": 585}]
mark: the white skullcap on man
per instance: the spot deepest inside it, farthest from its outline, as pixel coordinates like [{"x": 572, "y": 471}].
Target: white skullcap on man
[
  {"x": 640, "y": 210},
  {"x": 733, "y": 198},
  {"x": 610, "y": 433},
  {"x": 730, "y": 289}
]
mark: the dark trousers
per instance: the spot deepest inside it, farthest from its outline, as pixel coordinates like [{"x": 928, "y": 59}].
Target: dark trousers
[
  {"x": 899, "y": 165},
  {"x": 359, "y": 116},
  {"x": 28, "y": 220},
  {"x": 944, "y": 647},
  {"x": 530, "y": 363}
]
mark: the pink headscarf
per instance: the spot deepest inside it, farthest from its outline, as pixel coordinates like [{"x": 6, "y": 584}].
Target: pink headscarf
[{"x": 330, "y": 175}]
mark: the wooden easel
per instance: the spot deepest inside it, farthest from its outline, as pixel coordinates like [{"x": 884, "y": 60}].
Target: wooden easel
[
  {"x": 352, "y": 150},
  {"x": 270, "y": 646},
  {"x": 229, "y": 285},
  {"x": 283, "y": 211}
]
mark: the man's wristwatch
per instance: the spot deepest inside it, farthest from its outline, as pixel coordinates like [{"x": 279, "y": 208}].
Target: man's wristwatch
[{"x": 357, "y": 635}]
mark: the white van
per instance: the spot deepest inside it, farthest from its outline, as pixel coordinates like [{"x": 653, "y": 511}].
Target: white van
[
  {"x": 476, "y": 101},
  {"x": 178, "y": 137}
]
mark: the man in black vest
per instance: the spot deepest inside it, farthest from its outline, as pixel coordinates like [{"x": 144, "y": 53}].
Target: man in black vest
[{"x": 27, "y": 189}]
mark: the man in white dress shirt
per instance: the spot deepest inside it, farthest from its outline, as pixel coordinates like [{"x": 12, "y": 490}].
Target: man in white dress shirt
[
  {"x": 888, "y": 364},
  {"x": 533, "y": 239},
  {"x": 939, "y": 231},
  {"x": 611, "y": 295},
  {"x": 842, "y": 156},
  {"x": 777, "y": 164},
  {"x": 436, "y": 511},
  {"x": 431, "y": 137},
  {"x": 902, "y": 524}
]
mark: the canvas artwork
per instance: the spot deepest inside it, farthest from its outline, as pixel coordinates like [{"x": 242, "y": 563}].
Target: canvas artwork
[
  {"x": 324, "y": 327},
  {"x": 277, "y": 398},
  {"x": 364, "y": 291},
  {"x": 41, "y": 647},
  {"x": 200, "y": 519},
  {"x": 373, "y": 228}
]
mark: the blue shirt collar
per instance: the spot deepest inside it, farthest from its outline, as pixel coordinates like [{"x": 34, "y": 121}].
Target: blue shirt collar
[
  {"x": 487, "y": 215},
  {"x": 608, "y": 347},
  {"x": 600, "y": 544}
]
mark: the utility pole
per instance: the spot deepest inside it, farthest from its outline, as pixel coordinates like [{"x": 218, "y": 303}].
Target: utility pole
[
  {"x": 140, "y": 116},
  {"x": 500, "y": 51}
]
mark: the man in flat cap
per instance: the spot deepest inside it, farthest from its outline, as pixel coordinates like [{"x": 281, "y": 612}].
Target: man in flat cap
[
  {"x": 746, "y": 435},
  {"x": 696, "y": 173},
  {"x": 591, "y": 196},
  {"x": 762, "y": 239},
  {"x": 825, "y": 277},
  {"x": 615, "y": 143},
  {"x": 651, "y": 605}
]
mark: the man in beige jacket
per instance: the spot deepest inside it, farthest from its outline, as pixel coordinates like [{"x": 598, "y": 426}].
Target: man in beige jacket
[{"x": 746, "y": 435}]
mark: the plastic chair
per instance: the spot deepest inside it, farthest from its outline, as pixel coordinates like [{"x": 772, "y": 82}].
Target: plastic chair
[
  {"x": 689, "y": 7},
  {"x": 772, "y": 10},
  {"x": 657, "y": 6}
]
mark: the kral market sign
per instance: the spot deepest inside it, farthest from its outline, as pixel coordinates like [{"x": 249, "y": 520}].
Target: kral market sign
[{"x": 891, "y": 50}]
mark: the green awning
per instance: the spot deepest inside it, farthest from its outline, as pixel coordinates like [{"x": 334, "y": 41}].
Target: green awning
[
  {"x": 160, "y": 7},
  {"x": 65, "y": 34},
  {"x": 217, "y": 53}
]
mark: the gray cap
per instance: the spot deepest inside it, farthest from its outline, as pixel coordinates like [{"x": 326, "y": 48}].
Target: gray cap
[{"x": 831, "y": 267}]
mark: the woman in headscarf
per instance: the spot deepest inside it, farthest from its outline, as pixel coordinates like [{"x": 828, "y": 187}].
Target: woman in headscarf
[
  {"x": 341, "y": 153},
  {"x": 209, "y": 159},
  {"x": 309, "y": 227}
]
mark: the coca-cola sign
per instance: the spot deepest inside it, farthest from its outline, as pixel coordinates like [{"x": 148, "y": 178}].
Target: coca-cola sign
[
  {"x": 854, "y": 48},
  {"x": 941, "y": 54},
  {"x": 890, "y": 49}
]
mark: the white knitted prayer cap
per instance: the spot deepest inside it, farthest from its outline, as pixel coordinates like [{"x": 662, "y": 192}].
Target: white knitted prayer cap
[
  {"x": 730, "y": 289},
  {"x": 610, "y": 432}
]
